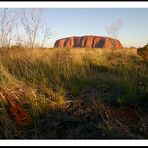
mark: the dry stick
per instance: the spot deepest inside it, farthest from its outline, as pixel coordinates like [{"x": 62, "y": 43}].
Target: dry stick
[
  {"x": 107, "y": 115},
  {"x": 125, "y": 128},
  {"x": 102, "y": 116}
]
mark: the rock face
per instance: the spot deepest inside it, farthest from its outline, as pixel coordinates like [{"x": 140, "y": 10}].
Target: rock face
[{"x": 88, "y": 42}]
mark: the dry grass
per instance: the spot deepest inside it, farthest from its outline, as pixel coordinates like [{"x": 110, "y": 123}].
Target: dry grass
[{"x": 67, "y": 92}]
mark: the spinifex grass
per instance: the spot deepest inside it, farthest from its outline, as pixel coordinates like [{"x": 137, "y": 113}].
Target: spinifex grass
[
  {"x": 76, "y": 70},
  {"x": 50, "y": 79}
]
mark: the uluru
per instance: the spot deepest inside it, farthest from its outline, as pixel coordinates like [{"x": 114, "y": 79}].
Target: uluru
[{"x": 88, "y": 42}]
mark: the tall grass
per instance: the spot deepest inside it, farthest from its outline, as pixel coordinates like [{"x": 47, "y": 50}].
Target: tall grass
[
  {"x": 75, "y": 70},
  {"x": 49, "y": 78}
]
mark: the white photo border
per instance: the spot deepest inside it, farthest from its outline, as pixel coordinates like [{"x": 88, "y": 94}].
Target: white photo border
[{"x": 65, "y": 142}]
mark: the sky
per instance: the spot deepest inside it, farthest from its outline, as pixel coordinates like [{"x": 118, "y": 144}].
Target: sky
[{"x": 67, "y": 22}]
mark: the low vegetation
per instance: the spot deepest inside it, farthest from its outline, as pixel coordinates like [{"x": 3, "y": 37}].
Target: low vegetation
[
  {"x": 143, "y": 52},
  {"x": 76, "y": 93}
]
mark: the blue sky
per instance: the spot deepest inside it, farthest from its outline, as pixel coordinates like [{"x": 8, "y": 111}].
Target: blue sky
[{"x": 67, "y": 22}]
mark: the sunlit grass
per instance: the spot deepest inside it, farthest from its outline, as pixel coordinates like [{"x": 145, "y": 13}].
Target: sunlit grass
[{"x": 48, "y": 79}]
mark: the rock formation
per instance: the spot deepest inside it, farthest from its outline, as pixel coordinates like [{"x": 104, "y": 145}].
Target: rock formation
[{"x": 88, "y": 42}]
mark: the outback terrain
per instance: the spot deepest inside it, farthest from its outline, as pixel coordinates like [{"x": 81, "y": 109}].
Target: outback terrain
[{"x": 73, "y": 93}]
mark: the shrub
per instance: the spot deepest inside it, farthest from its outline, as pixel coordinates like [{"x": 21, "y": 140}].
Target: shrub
[{"x": 143, "y": 52}]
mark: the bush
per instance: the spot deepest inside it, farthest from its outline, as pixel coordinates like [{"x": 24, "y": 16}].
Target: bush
[{"x": 143, "y": 52}]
